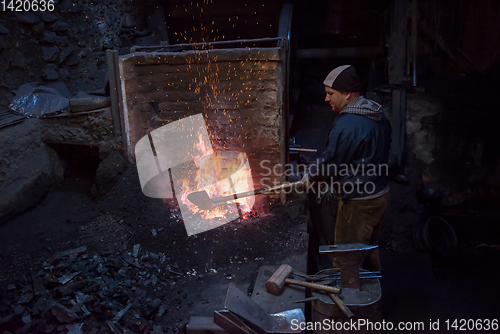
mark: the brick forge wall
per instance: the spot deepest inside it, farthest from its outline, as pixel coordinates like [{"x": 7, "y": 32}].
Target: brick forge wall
[{"x": 239, "y": 91}]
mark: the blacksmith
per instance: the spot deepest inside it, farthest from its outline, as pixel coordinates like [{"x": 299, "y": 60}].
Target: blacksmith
[{"x": 354, "y": 164}]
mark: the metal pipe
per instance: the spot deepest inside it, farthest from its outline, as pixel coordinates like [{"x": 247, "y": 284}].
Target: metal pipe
[
  {"x": 297, "y": 149},
  {"x": 256, "y": 40},
  {"x": 284, "y": 31}
]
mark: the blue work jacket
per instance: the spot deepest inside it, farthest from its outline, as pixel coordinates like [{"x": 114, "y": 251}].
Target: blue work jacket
[{"x": 355, "y": 161}]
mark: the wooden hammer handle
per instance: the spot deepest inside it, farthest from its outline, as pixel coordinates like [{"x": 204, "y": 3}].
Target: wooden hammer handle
[
  {"x": 340, "y": 304},
  {"x": 314, "y": 286}
]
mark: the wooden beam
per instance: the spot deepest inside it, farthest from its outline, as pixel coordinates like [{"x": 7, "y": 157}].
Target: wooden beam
[
  {"x": 114, "y": 80},
  {"x": 455, "y": 54},
  {"x": 397, "y": 42}
]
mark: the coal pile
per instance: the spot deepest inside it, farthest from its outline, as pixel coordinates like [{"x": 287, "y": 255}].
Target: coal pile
[
  {"x": 137, "y": 253},
  {"x": 116, "y": 292}
]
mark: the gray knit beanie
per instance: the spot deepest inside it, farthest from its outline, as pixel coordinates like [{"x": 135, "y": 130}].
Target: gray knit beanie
[{"x": 344, "y": 79}]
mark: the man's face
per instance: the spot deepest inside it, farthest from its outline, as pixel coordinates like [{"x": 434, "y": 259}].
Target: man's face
[{"x": 336, "y": 99}]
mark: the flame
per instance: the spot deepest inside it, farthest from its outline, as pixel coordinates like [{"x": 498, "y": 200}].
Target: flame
[{"x": 219, "y": 174}]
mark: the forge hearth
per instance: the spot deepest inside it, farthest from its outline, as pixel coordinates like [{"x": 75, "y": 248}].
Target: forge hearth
[{"x": 238, "y": 91}]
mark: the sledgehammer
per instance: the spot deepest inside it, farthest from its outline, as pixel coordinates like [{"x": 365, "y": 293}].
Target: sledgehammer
[{"x": 280, "y": 277}]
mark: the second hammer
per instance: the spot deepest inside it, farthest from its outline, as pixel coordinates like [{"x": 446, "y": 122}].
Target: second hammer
[{"x": 280, "y": 277}]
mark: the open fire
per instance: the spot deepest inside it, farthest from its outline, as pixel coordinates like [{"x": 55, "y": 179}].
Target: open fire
[{"x": 220, "y": 173}]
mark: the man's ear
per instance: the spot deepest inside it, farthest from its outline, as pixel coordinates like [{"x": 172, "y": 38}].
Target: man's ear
[{"x": 348, "y": 95}]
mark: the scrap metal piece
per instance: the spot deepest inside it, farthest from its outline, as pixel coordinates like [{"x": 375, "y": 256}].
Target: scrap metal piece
[
  {"x": 241, "y": 305},
  {"x": 349, "y": 257},
  {"x": 232, "y": 323},
  {"x": 205, "y": 325},
  {"x": 256, "y": 318},
  {"x": 282, "y": 321}
]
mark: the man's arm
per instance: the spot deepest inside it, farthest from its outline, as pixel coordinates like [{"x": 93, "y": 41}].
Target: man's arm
[{"x": 340, "y": 152}]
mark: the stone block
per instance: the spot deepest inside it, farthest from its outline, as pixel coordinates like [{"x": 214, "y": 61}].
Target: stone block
[
  {"x": 86, "y": 129},
  {"x": 29, "y": 169},
  {"x": 108, "y": 172}
]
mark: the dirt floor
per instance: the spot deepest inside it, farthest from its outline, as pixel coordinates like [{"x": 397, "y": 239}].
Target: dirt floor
[
  {"x": 173, "y": 277},
  {"x": 192, "y": 272}
]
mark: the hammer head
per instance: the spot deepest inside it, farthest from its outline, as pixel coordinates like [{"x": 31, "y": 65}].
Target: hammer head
[{"x": 276, "y": 282}]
